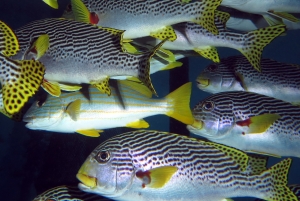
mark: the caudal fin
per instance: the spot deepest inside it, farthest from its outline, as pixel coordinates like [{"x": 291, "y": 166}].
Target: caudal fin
[
  {"x": 256, "y": 40},
  {"x": 275, "y": 182},
  {"x": 180, "y": 104}
]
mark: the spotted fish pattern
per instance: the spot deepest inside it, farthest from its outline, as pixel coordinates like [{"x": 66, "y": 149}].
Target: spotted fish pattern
[
  {"x": 204, "y": 169},
  {"x": 294, "y": 187}
]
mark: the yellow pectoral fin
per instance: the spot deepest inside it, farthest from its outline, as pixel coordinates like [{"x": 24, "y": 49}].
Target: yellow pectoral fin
[
  {"x": 165, "y": 33},
  {"x": 51, "y": 3},
  {"x": 259, "y": 124},
  {"x": 172, "y": 65},
  {"x": 141, "y": 123},
  {"x": 73, "y": 109},
  {"x": 81, "y": 13},
  {"x": 209, "y": 53},
  {"x": 9, "y": 45},
  {"x": 53, "y": 88},
  {"x": 102, "y": 86},
  {"x": 167, "y": 55},
  {"x": 90, "y": 132},
  {"x": 160, "y": 176},
  {"x": 39, "y": 47},
  {"x": 67, "y": 87}
]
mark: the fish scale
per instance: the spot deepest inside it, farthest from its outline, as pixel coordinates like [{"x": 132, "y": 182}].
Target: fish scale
[
  {"x": 205, "y": 170},
  {"x": 221, "y": 123}
]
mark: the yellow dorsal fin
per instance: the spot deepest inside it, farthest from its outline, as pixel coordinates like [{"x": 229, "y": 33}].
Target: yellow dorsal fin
[
  {"x": 222, "y": 16},
  {"x": 256, "y": 164},
  {"x": 67, "y": 87},
  {"x": 73, "y": 109},
  {"x": 240, "y": 157},
  {"x": 165, "y": 33},
  {"x": 259, "y": 124},
  {"x": 9, "y": 44},
  {"x": 53, "y": 88},
  {"x": 179, "y": 101},
  {"x": 90, "y": 132},
  {"x": 102, "y": 86},
  {"x": 157, "y": 177},
  {"x": 209, "y": 53},
  {"x": 172, "y": 65},
  {"x": 137, "y": 86},
  {"x": 51, "y": 3},
  {"x": 141, "y": 123},
  {"x": 80, "y": 11},
  {"x": 39, "y": 47}
]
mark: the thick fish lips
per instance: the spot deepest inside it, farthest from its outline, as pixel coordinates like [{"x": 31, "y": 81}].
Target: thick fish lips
[
  {"x": 87, "y": 180},
  {"x": 196, "y": 126},
  {"x": 202, "y": 82}
]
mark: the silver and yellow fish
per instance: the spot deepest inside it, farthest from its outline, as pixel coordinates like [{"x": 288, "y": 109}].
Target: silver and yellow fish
[
  {"x": 147, "y": 17},
  {"x": 191, "y": 36},
  {"x": 276, "y": 79},
  {"x": 149, "y": 165},
  {"x": 250, "y": 122},
  {"x": 87, "y": 115},
  {"x": 271, "y": 10},
  {"x": 75, "y": 52},
  {"x": 20, "y": 79}
]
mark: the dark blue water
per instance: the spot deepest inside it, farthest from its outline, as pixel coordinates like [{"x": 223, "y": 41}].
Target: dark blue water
[{"x": 34, "y": 161}]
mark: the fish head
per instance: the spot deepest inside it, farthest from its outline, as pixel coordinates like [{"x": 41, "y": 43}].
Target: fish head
[
  {"x": 218, "y": 77},
  {"x": 214, "y": 119},
  {"x": 44, "y": 114},
  {"x": 108, "y": 170}
]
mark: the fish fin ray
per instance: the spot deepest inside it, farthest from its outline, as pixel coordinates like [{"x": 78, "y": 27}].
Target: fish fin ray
[
  {"x": 40, "y": 45},
  {"x": 73, "y": 109},
  {"x": 9, "y": 42},
  {"x": 137, "y": 86},
  {"x": 141, "y": 123},
  {"x": 209, "y": 53},
  {"x": 165, "y": 33},
  {"x": 53, "y": 88},
  {"x": 89, "y": 132},
  {"x": 102, "y": 86},
  {"x": 284, "y": 15},
  {"x": 80, "y": 11}
]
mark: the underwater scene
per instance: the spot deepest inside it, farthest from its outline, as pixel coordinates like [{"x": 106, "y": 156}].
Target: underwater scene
[{"x": 149, "y": 100}]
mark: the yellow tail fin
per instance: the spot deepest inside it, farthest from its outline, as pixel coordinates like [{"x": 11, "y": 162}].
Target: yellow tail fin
[{"x": 180, "y": 101}]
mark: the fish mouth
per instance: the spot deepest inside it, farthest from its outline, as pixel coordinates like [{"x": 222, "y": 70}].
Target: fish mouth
[
  {"x": 86, "y": 180},
  {"x": 202, "y": 82},
  {"x": 198, "y": 124}
]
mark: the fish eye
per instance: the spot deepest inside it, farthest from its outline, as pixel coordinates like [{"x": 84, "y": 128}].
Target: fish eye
[
  {"x": 208, "y": 105},
  {"x": 212, "y": 67},
  {"x": 102, "y": 156}
]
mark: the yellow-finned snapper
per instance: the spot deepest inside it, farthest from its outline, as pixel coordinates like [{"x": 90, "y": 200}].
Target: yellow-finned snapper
[
  {"x": 76, "y": 52},
  {"x": 294, "y": 187},
  {"x": 271, "y": 10},
  {"x": 276, "y": 79},
  {"x": 74, "y": 112},
  {"x": 68, "y": 193},
  {"x": 147, "y": 165},
  {"x": 191, "y": 36},
  {"x": 147, "y": 17},
  {"x": 20, "y": 79},
  {"x": 250, "y": 122}
]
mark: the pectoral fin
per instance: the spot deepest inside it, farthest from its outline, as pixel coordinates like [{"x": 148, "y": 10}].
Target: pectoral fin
[
  {"x": 67, "y": 87},
  {"x": 166, "y": 32},
  {"x": 172, "y": 65},
  {"x": 82, "y": 14},
  {"x": 166, "y": 55},
  {"x": 52, "y": 88},
  {"x": 157, "y": 177},
  {"x": 141, "y": 123},
  {"x": 51, "y": 3},
  {"x": 90, "y": 132},
  {"x": 38, "y": 48},
  {"x": 73, "y": 109},
  {"x": 259, "y": 124},
  {"x": 209, "y": 53},
  {"x": 240, "y": 78}
]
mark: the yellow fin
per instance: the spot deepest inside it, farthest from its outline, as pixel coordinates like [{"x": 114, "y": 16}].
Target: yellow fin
[
  {"x": 165, "y": 33},
  {"x": 256, "y": 40},
  {"x": 172, "y": 65},
  {"x": 20, "y": 80},
  {"x": 256, "y": 164},
  {"x": 240, "y": 157},
  {"x": 262, "y": 153},
  {"x": 90, "y": 132},
  {"x": 67, "y": 87},
  {"x": 137, "y": 86},
  {"x": 222, "y": 16},
  {"x": 127, "y": 47},
  {"x": 16, "y": 116},
  {"x": 156, "y": 177},
  {"x": 80, "y": 11},
  {"x": 38, "y": 48},
  {"x": 51, "y": 3},
  {"x": 87, "y": 180},
  {"x": 260, "y": 123},
  {"x": 179, "y": 101},
  {"x": 52, "y": 88},
  {"x": 209, "y": 53},
  {"x": 167, "y": 55},
  {"x": 73, "y": 109},
  {"x": 103, "y": 86},
  {"x": 207, "y": 15},
  {"x": 9, "y": 44},
  {"x": 141, "y": 123},
  {"x": 272, "y": 21},
  {"x": 284, "y": 15},
  {"x": 277, "y": 177}
]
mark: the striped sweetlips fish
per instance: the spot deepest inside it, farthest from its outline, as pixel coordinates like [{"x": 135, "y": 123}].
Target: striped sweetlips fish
[
  {"x": 250, "y": 122},
  {"x": 276, "y": 79},
  {"x": 89, "y": 111},
  {"x": 146, "y": 17},
  {"x": 20, "y": 79},
  {"x": 75, "y": 52},
  {"x": 151, "y": 165}
]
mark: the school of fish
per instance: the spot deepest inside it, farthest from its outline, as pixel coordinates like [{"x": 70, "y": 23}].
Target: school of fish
[{"x": 91, "y": 70}]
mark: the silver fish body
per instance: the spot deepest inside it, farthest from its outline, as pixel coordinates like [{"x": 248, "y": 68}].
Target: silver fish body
[
  {"x": 276, "y": 79},
  {"x": 130, "y": 165},
  {"x": 250, "y": 122}
]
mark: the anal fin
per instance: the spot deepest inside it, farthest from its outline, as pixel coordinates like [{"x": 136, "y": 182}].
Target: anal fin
[{"x": 165, "y": 33}]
